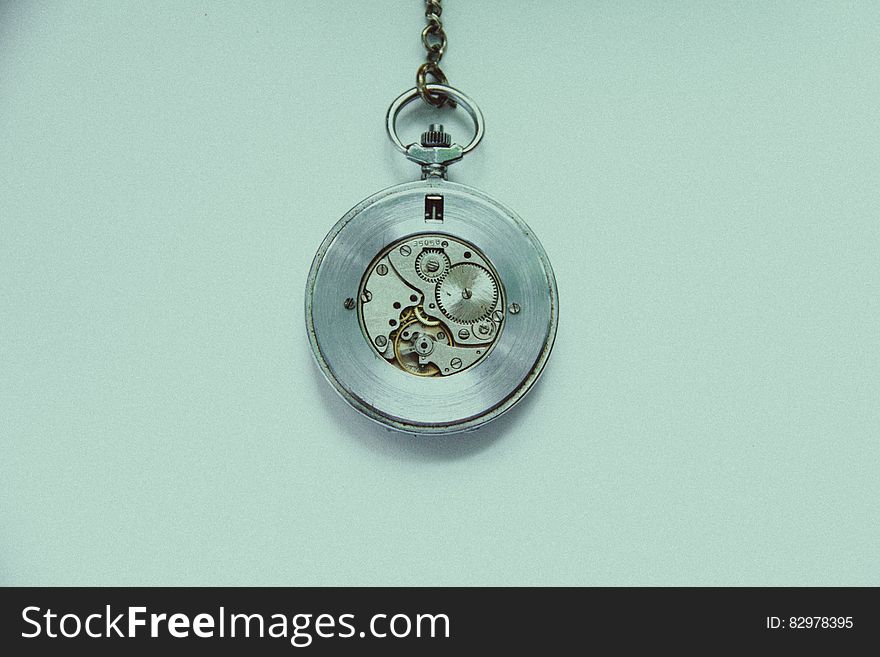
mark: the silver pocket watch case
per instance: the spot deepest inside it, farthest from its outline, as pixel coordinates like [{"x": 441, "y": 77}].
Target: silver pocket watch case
[{"x": 430, "y": 307}]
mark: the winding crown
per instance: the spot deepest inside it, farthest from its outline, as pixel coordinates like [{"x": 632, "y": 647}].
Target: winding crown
[{"x": 436, "y": 136}]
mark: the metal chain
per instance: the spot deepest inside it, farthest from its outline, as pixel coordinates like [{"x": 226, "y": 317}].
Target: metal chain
[{"x": 434, "y": 40}]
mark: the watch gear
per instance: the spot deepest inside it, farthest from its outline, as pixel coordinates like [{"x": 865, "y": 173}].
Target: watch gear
[
  {"x": 415, "y": 339},
  {"x": 467, "y": 293},
  {"x": 432, "y": 264}
]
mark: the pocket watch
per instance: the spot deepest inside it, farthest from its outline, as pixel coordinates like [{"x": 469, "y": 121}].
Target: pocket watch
[{"x": 431, "y": 307}]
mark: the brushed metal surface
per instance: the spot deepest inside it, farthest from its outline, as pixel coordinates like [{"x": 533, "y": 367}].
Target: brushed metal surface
[{"x": 431, "y": 405}]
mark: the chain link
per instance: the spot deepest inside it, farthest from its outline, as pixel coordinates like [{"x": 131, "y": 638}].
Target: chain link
[{"x": 434, "y": 40}]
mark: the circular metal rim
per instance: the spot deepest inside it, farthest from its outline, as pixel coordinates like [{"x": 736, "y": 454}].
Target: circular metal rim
[
  {"x": 409, "y": 96},
  {"x": 489, "y": 413}
]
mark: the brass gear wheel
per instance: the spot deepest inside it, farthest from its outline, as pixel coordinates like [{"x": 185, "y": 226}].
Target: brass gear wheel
[{"x": 405, "y": 354}]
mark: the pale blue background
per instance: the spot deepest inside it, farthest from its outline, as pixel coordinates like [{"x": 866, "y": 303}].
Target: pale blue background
[{"x": 703, "y": 175}]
